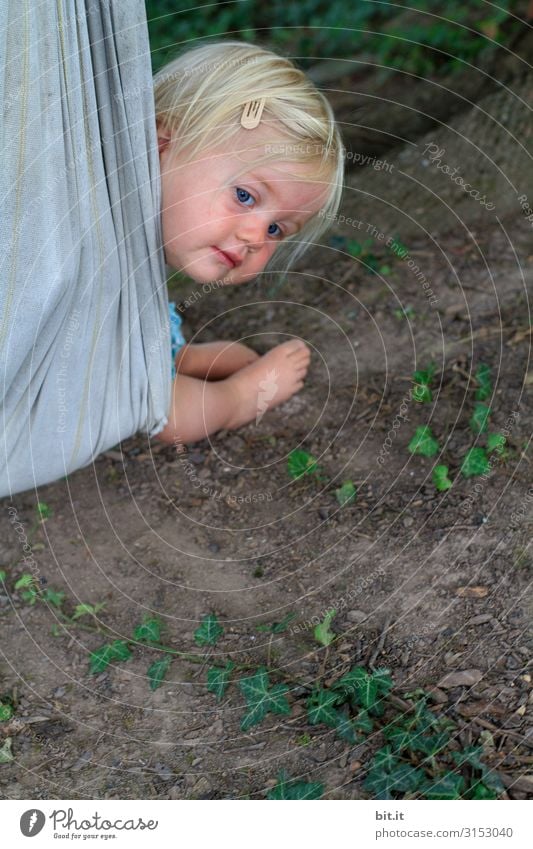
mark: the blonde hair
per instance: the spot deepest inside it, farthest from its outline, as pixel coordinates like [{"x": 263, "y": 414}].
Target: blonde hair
[{"x": 199, "y": 98}]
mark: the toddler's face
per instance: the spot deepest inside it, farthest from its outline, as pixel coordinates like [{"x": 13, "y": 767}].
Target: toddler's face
[{"x": 217, "y": 226}]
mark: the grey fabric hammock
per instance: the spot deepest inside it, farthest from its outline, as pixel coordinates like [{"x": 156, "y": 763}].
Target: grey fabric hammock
[{"x": 84, "y": 326}]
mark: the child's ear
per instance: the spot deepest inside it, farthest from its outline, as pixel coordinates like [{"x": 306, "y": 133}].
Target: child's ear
[{"x": 163, "y": 138}]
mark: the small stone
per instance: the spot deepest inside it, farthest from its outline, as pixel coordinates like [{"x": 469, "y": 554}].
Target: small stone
[
  {"x": 408, "y": 521},
  {"x": 175, "y": 792},
  {"x": 356, "y": 616},
  {"x": 164, "y": 772},
  {"x": 200, "y": 789},
  {"x": 481, "y": 619},
  {"x": 465, "y": 678},
  {"x": 437, "y": 696}
]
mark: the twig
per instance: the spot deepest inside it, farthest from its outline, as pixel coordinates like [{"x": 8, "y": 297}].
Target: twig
[{"x": 381, "y": 642}]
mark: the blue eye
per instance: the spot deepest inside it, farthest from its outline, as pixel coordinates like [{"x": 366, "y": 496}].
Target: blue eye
[
  {"x": 243, "y": 196},
  {"x": 270, "y": 233}
]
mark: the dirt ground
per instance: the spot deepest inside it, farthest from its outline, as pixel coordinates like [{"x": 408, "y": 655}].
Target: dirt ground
[{"x": 424, "y": 583}]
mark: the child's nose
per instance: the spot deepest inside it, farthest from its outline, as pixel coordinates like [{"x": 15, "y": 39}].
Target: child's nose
[{"x": 252, "y": 229}]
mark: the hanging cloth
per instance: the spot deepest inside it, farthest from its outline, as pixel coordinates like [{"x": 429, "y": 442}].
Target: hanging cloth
[{"x": 84, "y": 321}]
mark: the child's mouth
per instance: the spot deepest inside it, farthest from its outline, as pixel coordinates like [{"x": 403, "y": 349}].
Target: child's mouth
[{"x": 226, "y": 258}]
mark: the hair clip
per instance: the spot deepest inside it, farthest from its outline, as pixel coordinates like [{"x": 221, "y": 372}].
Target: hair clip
[{"x": 251, "y": 114}]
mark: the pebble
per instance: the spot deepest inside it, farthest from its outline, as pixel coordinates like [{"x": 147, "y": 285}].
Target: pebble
[
  {"x": 200, "y": 789},
  {"x": 356, "y": 616},
  {"x": 481, "y": 619},
  {"x": 464, "y": 678}
]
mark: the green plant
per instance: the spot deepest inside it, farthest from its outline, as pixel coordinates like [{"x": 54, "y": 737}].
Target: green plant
[
  {"x": 300, "y": 462},
  {"x": 405, "y": 312},
  {"x": 440, "y": 478},
  {"x": 421, "y": 391},
  {"x": 287, "y": 788},
  {"x": 322, "y": 632},
  {"x": 423, "y": 442},
  {"x": 475, "y": 462},
  {"x": 479, "y": 419},
  {"x": 484, "y": 383},
  {"x": 346, "y": 493}
]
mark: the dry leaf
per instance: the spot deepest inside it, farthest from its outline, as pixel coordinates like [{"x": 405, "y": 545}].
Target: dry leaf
[{"x": 472, "y": 592}]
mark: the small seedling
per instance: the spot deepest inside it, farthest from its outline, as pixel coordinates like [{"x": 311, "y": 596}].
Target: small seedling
[
  {"x": 300, "y": 463},
  {"x": 405, "y": 312},
  {"x": 423, "y": 442},
  {"x": 440, "y": 478},
  {"x": 484, "y": 389},
  {"x": 346, "y": 493},
  {"x": 322, "y": 632},
  {"x": 479, "y": 420},
  {"x": 496, "y": 442},
  {"x": 421, "y": 391},
  {"x": 87, "y": 609},
  {"x": 475, "y": 462},
  {"x": 43, "y": 510}
]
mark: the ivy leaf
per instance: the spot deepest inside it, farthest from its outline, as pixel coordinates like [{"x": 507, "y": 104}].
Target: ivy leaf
[
  {"x": 431, "y": 744},
  {"x": 345, "y": 728},
  {"x": 102, "y": 657},
  {"x": 25, "y": 580},
  {"x": 481, "y": 791},
  {"x": 3, "y": 575},
  {"x": 475, "y": 462},
  {"x": 87, "y": 609},
  {"x": 423, "y": 442},
  {"x": 6, "y": 712},
  {"x": 291, "y": 789},
  {"x": 472, "y": 757},
  {"x": 385, "y": 759},
  {"x": 496, "y": 442},
  {"x": 301, "y": 463},
  {"x": 218, "y": 679},
  {"x": 479, "y": 420},
  {"x": 55, "y": 597},
  {"x": 157, "y": 671},
  {"x": 361, "y": 686},
  {"x": 322, "y": 633},
  {"x": 383, "y": 680},
  {"x": 30, "y": 596},
  {"x": 448, "y": 786},
  {"x": 277, "y": 627},
  {"x": 484, "y": 389},
  {"x": 400, "y": 738},
  {"x": 440, "y": 478},
  {"x": 346, "y": 493},
  {"x": 363, "y": 723},
  {"x": 320, "y": 707},
  {"x": 403, "y": 778},
  {"x": 260, "y": 699},
  {"x": 149, "y": 631},
  {"x": 6, "y": 754},
  {"x": 209, "y": 631}
]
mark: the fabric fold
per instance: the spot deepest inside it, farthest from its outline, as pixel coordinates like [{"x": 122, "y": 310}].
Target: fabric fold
[{"x": 84, "y": 323}]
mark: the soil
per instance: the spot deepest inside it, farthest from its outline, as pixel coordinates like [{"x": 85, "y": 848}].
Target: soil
[{"x": 424, "y": 583}]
